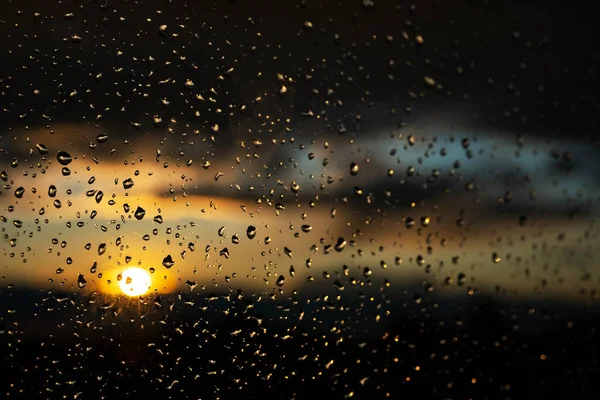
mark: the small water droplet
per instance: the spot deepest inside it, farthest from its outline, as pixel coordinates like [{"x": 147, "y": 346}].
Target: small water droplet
[
  {"x": 139, "y": 213},
  {"x": 158, "y": 219},
  {"x": 354, "y": 169},
  {"x": 43, "y": 150},
  {"x": 251, "y": 232},
  {"x": 101, "y": 249}
]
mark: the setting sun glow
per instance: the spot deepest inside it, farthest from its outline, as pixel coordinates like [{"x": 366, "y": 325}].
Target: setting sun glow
[{"x": 134, "y": 281}]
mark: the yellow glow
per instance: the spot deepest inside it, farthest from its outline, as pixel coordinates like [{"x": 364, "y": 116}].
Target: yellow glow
[{"x": 134, "y": 281}]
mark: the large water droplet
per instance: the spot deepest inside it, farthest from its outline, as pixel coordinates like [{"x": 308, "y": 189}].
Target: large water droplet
[
  {"x": 101, "y": 249},
  {"x": 64, "y": 158},
  {"x": 81, "y": 282},
  {"x": 139, "y": 213},
  {"x": 280, "y": 280},
  {"x": 306, "y": 228},
  {"x": 128, "y": 183},
  {"x": 168, "y": 262},
  {"x": 340, "y": 245},
  {"x": 19, "y": 192}
]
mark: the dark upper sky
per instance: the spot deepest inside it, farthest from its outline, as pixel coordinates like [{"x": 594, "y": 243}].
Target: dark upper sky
[{"x": 532, "y": 62}]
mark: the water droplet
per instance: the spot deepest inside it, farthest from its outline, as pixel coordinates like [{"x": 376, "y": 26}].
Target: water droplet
[
  {"x": 306, "y": 228},
  {"x": 64, "y": 158},
  {"x": 4, "y": 176},
  {"x": 81, "y": 282},
  {"x": 354, "y": 169},
  {"x": 43, "y": 150},
  {"x": 221, "y": 231},
  {"x": 139, "y": 213},
  {"x": 340, "y": 245},
  {"x": 158, "y": 219},
  {"x": 19, "y": 192},
  {"x": 128, "y": 183},
  {"x": 66, "y": 171},
  {"x": 17, "y": 223},
  {"x": 101, "y": 249},
  {"x": 99, "y": 196},
  {"x": 102, "y": 138},
  {"x": 191, "y": 284},
  {"x": 235, "y": 239},
  {"x": 367, "y": 272},
  {"x": 280, "y": 281},
  {"x": 59, "y": 271},
  {"x": 94, "y": 268},
  {"x": 251, "y": 232},
  {"x": 224, "y": 252},
  {"x": 292, "y": 271},
  {"x": 294, "y": 187},
  {"x": 57, "y": 203},
  {"x": 495, "y": 258},
  {"x": 288, "y": 252},
  {"x": 168, "y": 262}
]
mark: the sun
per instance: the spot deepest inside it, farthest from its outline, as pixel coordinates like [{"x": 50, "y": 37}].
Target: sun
[{"x": 134, "y": 281}]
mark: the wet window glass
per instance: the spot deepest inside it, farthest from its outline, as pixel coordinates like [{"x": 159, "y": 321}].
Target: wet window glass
[{"x": 342, "y": 199}]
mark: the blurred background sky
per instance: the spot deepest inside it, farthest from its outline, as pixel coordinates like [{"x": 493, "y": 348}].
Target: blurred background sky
[{"x": 476, "y": 116}]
